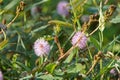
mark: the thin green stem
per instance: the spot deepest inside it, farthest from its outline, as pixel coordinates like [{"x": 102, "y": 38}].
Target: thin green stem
[
  {"x": 89, "y": 52},
  {"x": 95, "y": 3},
  {"x": 75, "y": 16},
  {"x": 101, "y": 44},
  {"x": 101, "y": 66},
  {"x": 101, "y": 39}
]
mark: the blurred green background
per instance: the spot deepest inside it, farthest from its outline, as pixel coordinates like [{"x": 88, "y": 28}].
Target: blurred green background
[{"x": 17, "y": 58}]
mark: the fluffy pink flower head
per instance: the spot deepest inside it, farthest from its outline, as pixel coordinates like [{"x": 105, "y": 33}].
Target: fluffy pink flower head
[
  {"x": 113, "y": 72},
  {"x": 41, "y": 47},
  {"x": 80, "y": 39},
  {"x": 63, "y": 8},
  {"x": 1, "y": 76}
]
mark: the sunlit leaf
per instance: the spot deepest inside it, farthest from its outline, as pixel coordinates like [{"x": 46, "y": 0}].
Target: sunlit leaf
[
  {"x": 50, "y": 67},
  {"x": 11, "y": 4},
  {"x": 60, "y": 23},
  {"x": 116, "y": 19},
  {"x": 76, "y": 68},
  {"x": 3, "y": 44},
  {"x": 48, "y": 77}
]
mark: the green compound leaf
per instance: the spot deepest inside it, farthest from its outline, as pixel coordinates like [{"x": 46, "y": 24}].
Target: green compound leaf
[
  {"x": 48, "y": 77},
  {"x": 50, "y": 67},
  {"x": 76, "y": 68}
]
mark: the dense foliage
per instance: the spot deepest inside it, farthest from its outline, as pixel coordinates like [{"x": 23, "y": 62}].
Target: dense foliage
[{"x": 60, "y": 39}]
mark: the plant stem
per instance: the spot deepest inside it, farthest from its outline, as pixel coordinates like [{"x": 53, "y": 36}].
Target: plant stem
[
  {"x": 59, "y": 46},
  {"x": 75, "y": 16},
  {"x": 101, "y": 39},
  {"x": 101, "y": 44}
]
